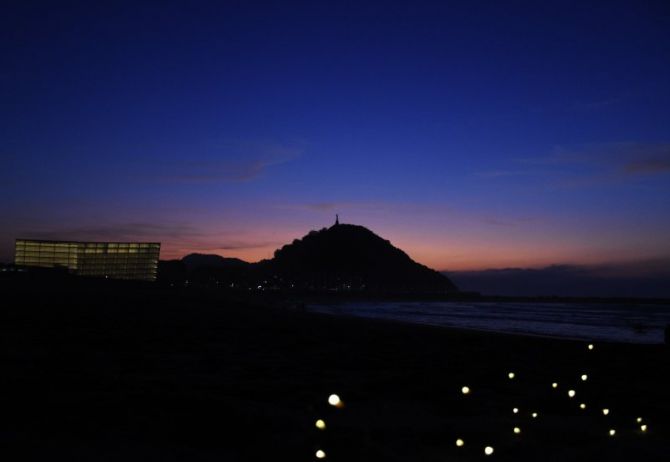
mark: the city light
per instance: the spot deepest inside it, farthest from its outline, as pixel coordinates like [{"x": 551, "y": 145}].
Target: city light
[
  {"x": 320, "y": 454},
  {"x": 517, "y": 430},
  {"x": 584, "y": 377},
  {"x": 515, "y": 410},
  {"x": 334, "y": 400},
  {"x": 606, "y": 411},
  {"x": 488, "y": 450},
  {"x": 511, "y": 375},
  {"x": 320, "y": 424},
  {"x": 460, "y": 442},
  {"x": 571, "y": 393},
  {"x": 612, "y": 432},
  {"x": 465, "y": 390},
  {"x": 554, "y": 385}
]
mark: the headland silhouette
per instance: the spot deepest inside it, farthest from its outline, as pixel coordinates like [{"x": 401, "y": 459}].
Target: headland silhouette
[{"x": 342, "y": 257}]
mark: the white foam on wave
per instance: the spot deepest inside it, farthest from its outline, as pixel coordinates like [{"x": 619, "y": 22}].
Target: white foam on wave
[{"x": 629, "y": 323}]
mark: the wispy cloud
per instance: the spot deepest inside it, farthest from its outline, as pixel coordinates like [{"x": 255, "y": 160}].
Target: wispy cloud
[
  {"x": 433, "y": 211},
  {"x": 233, "y": 162},
  {"x": 208, "y": 172},
  {"x": 605, "y": 102},
  {"x": 647, "y": 166},
  {"x": 592, "y": 164},
  {"x": 174, "y": 235},
  {"x": 122, "y": 231},
  {"x": 238, "y": 245},
  {"x": 630, "y": 158},
  {"x": 502, "y": 173},
  {"x": 597, "y": 104},
  {"x": 563, "y": 156},
  {"x": 643, "y": 278},
  {"x": 506, "y": 222},
  {"x": 370, "y": 207},
  {"x": 326, "y": 206}
]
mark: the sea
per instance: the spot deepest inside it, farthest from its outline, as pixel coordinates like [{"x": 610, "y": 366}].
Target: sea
[{"x": 627, "y": 323}]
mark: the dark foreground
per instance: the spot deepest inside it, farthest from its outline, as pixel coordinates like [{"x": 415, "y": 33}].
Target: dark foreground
[{"x": 120, "y": 373}]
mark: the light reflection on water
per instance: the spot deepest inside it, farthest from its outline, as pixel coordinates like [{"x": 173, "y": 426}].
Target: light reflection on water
[{"x": 631, "y": 323}]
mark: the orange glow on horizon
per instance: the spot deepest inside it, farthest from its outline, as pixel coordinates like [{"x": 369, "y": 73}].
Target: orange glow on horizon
[
  {"x": 466, "y": 259},
  {"x": 469, "y": 256},
  {"x": 476, "y": 250}
]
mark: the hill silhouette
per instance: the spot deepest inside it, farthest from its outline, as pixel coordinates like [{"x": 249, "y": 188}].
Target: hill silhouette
[
  {"x": 200, "y": 260},
  {"x": 343, "y": 257},
  {"x": 351, "y": 256}
]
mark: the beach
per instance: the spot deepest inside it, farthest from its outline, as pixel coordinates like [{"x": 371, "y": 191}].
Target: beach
[{"x": 120, "y": 372}]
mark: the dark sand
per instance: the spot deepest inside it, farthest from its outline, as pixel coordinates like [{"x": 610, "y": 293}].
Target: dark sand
[{"x": 117, "y": 374}]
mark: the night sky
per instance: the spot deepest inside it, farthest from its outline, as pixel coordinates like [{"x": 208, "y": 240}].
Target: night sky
[{"x": 473, "y": 135}]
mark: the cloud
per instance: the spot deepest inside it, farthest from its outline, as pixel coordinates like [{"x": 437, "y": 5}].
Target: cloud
[
  {"x": 247, "y": 245},
  {"x": 644, "y": 278},
  {"x": 326, "y": 206},
  {"x": 502, "y": 173},
  {"x": 647, "y": 166},
  {"x": 124, "y": 231},
  {"x": 373, "y": 206},
  {"x": 233, "y": 162},
  {"x": 594, "y": 164},
  {"x": 221, "y": 171},
  {"x": 330, "y": 206},
  {"x": 560, "y": 156},
  {"x": 177, "y": 238},
  {"x": 626, "y": 158},
  {"x": 603, "y": 103},
  {"x": 506, "y": 222}
]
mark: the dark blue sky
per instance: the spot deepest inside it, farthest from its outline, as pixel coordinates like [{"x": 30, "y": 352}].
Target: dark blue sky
[{"x": 473, "y": 135}]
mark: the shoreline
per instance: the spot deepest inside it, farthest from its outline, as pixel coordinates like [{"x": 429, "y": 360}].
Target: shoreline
[
  {"x": 409, "y": 320},
  {"x": 456, "y": 329}
]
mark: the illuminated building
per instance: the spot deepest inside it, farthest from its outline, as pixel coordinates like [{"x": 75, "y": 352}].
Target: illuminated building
[{"x": 115, "y": 260}]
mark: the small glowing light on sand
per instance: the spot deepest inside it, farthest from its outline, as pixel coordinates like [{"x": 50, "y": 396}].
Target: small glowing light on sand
[
  {"x": 584, "y": 377},
  {"x": 320, "y": 454},
  {"x": 571, "y": 393},
  {"x": 465, "y": 390},
  {"x": 488, "y": 450},
  {"x": 643, "y": 428},
  {"x": 334, "y": 400},
  {"x": 606, "y": 411},
  {"x": 460, "y": 442},
  {"x": 554, "y": 385},
  {"x": 590, "y": 346},
  {"x": 517, "y": 430},
  {"x": 515, "y": 410},
  {"x": 582, "y": 406},
  {"x": 320, "y": 424},
  {"x": 511, "y": 375},
  {"x": 639, "y": 420},
  {"x": 612, "y": 432},
  {"x": 534, "y": 415}
]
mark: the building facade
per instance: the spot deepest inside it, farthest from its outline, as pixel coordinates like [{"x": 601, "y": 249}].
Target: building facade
[{"x": 116, "y": 260}]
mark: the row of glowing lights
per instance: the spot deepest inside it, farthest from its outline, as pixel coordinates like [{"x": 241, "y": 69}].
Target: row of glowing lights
[{"x": 335, "y": 401}]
